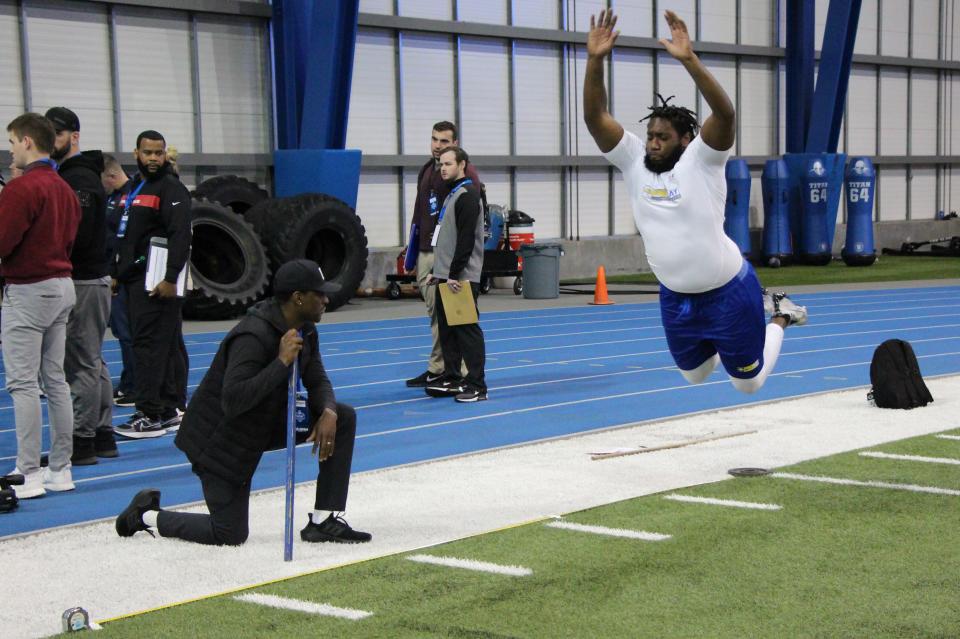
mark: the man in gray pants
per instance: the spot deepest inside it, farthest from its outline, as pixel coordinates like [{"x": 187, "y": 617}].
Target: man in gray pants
[
  {"x": 39, "y": 217},
  {"x": 87, "y": 375}
]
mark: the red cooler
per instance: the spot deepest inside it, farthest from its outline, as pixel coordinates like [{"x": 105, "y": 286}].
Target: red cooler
[{"x": 519, "y": 232}]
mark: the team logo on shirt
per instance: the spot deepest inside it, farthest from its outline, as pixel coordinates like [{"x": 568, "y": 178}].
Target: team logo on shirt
[{"x": 667, "y": 191}]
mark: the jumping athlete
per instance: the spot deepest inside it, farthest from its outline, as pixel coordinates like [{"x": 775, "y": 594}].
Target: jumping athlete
[{"x": 711, "y": 302}]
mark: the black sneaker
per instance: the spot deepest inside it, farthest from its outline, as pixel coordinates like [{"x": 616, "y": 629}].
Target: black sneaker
[
  {"x": 130, "y": 521},
  {"x": 447, "y": 387},
  {"x": 104, "y": 444},
  {"x": 139, "y": 426},
  {"x": 171, "y": 422},
  {"x": 334, "y": 529},
  {"x": 84, "y": 452},
  {"x": 123, "y": 399},
  {"x": 424, "y": 379},
  {"x": 471, "y": 395}
]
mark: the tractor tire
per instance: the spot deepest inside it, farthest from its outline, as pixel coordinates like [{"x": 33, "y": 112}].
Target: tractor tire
[
  {"x": 197, "y": 306},
  {"x": 237, "y": 193},
  {"x": 323, "y": 229},
  {"x": 227, "y": 260}
]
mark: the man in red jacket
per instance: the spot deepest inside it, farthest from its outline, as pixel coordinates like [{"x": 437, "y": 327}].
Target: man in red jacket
[{"x": 39, "y": 217}]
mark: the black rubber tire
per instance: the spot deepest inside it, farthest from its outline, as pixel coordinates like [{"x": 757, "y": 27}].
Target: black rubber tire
[
  {"x": 323, "y": 229},
  {"x": 485, "y": 283},
  {"x": 518, "y": 285},
  {"x": 197, "y": 306},
  {"x": 393, "y": 291},
  {"x": 237, "y": 193},
  {"x": 227, "y": 260}
]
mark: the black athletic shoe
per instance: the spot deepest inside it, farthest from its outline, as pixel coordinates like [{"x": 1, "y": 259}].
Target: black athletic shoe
[
  {"x": 471, "y": 395},
  {"x": 123, "y": 399},
  {"x": 447, "y": 387},
  {"x": 424, "y": 379},
  {"x": 84, "y": 451},
  {"x": 130, "y": 521},
  {"x": 334, "y": 529},
  {"x": 104, "y": 444}
]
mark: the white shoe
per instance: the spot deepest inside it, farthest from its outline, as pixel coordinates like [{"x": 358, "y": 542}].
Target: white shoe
[
  {"x": 785, "y": 308},
  {"x": 768, "y": 307},
  {"x": 58, "y": 480},
  {"x": 32, "y": 485}
]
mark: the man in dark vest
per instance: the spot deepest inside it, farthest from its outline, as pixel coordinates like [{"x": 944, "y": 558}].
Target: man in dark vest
[{"x": 239, "y": 412}]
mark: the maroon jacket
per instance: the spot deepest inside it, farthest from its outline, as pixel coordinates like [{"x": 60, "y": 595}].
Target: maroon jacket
[
  {"x": 39, "y": 217},
  {"x": 429, "y": 180}
]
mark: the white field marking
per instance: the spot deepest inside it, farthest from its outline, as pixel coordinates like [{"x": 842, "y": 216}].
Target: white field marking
[
  {"x": 610, "y": 532},
  {"x": 526, "y": 361},
  {"x": 298, "y": 605},
  {"x": 835, "y": 379},
  {"x": 953, "y": 437},
  {"x": 597, "y": 365},
  {"x": 916, "y": 458},
  {"x": 869, "y": 484},
  {"x": 722, "y": 502},
  {"x": 469, "y": 564},
  {"x": 794, "y": 376}
]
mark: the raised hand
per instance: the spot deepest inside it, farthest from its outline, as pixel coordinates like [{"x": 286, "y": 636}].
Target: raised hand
[
  {"x": 602, "y": 37},
  {"x": 679, "y": 43}
]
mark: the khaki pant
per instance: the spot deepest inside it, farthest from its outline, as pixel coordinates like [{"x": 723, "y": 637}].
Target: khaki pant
[{"x": 429, "y": 293}]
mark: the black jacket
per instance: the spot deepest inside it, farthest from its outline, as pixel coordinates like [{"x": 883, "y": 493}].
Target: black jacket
[
  {"x": 82, "y": 173},
  {"x": 161, "y": 209},
  {"x": 239, "y": 410},
  {"x": 113, "y": 213}
]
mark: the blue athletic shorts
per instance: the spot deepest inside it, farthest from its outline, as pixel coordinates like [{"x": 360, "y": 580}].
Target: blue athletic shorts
[{"x": 728, "y": 320}]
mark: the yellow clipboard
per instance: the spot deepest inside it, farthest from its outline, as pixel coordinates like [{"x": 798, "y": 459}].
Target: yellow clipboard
[{"x": 459, "y": 308}]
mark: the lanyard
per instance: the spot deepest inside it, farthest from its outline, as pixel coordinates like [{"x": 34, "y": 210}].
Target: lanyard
[
  {"x": 131, "y": 197},
  {"x": 443, "y": 209}
]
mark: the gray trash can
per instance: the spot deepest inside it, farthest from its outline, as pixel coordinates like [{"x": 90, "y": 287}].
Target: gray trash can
[{"x": 541, "y": 271}]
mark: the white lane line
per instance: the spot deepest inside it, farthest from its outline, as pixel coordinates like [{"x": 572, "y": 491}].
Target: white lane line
[
  {"x": 916, "y": 458},
  {"x": 834, "y": 378},
  {"x": 869, "y": 484},
  {"x": 298, "y": 605},
  {"x": 469, "y": 564},
  {"x": 610, "y": 532},
  {"x": 723, "y": 502},
  {"x": 953, "y": 437}
]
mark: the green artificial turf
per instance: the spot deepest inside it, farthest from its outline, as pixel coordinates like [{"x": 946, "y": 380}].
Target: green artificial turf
[
  {"x": 836, "y": 561},
  {"x": 887, "y": 268}
]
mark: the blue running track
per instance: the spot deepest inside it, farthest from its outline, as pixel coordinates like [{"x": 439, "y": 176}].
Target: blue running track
[{"x": 551, "y": 372}]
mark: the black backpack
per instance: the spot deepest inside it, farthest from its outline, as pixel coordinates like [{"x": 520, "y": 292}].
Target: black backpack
[{"x": 895, "y": 376}]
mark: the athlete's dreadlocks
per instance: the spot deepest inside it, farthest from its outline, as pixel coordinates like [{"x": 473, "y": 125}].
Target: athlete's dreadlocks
[{"x": 683, "y": 119}]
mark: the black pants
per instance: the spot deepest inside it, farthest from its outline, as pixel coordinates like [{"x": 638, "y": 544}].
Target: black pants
[
  {"x": 463, "y": 342},
  {"x": 159, "y": 354},
  {"x": 229, "y": 503}
]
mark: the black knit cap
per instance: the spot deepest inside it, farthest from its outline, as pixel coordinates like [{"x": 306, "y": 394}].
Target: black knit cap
[
  {"x": 302, "y": 275},
  {"x": 63, "y": 119}
]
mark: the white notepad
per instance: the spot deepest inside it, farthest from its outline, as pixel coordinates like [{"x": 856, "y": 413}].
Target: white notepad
[{"x": 157, "y": 266}]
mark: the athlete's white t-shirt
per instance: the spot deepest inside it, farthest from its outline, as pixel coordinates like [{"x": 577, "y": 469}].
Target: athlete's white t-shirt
[{"x": 680, "y": 215}]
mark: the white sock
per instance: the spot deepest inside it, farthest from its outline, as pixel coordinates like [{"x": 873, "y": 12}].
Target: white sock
[
  {"x": 773, "y": 340},
  {"x": 320, "y": 515},
  {"x": 149, "y": 518}
]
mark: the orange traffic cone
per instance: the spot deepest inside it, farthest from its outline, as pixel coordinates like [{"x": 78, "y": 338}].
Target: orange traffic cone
[{"x": 600, "y": 297}]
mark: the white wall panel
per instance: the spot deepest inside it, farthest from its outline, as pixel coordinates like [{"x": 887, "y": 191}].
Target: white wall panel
[
  {"x": 485, "y": 96},
  {"x": 893, "y": 111},
  {"x": 537, "y": 98},
  {"x": 674, "y": 80},
  {"x": 542, "y": 14},
  {"x": 377, "y": 206},
  {"x": 923, "y": 193},
  {"x": 496, "y": 182},
  {"x": 579, "y": 19},
  {"x": 953, "y": 190},
  {"x": 724, "y": 69},
  {"x": 756, "y": 22},
  {"x": 756, "y": 200},
  {"x": 376, "y": 6},
  {"x": 591, "y": 202},
  {"x": 632, "y": 90},
  {"x": 427, "y": 69},
  {"x": 623, "y": 223},
  {"x": 923, "y": 113},
  {"x": 820, "y": 23},
  {"x": 718, "y": 21},
  {"x": 867, "y": 29},
  {"x": 893, "y": 193},
  {"x": 926, "y": 26},
  {"x": 685, "y": 9},
  {"x": 431, "y": 9},
  {"x": 410, "y": 192},
  {"x": 538, "y": 195},
  {"x": 489, "y": 11},
  {"x": 756, "y": 108},
  {"x": 372, "y": 121},
  {"x": 861, "y": 120},
  {"x": 953, "y": 141},
  {"x": 234, "y": 110},
  {"x": 70, "y": 65},
  {"x": 894, "y": 25},
  {"x": 582, "y": 142},
  {"x": 165, "y": 102},
  {"x": 11, "y": 93},
  {"x": 634, "y": 17}
]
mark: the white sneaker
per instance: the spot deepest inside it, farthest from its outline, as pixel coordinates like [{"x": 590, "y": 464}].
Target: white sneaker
[
  {"x": 767, "y": 301},
  {"x": 783, "y": 307},
  {"x": 58, "y": 480},
  {"x": 32, "y": 485}
]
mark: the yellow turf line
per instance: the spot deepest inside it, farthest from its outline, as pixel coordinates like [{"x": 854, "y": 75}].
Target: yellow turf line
[{"x": 319, "y": 570}]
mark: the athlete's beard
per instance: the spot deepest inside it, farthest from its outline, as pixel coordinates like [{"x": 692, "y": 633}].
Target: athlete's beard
[
  {"x": 664, "y": 165},
  {"x": 145, "y": 172},
  {"x": 59, "y": 153}
]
